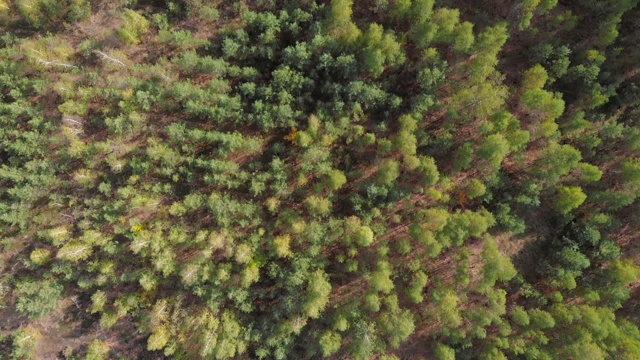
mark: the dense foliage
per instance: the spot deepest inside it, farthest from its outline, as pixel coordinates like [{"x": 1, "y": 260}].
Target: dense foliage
[{"x": 306, "y": 179}]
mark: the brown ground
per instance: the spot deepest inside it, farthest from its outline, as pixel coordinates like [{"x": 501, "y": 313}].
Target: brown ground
[{"x": 69, "y": 329}]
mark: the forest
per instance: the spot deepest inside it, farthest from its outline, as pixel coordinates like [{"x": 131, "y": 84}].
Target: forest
[{"x": 320, "y": 179}]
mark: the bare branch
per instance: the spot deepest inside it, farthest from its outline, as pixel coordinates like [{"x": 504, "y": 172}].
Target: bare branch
[
  {"x": 74, "y": 300},
  {"x": 73, "y": 121},
  {"x": 48, "y": 63},
  {"x": 107, "y": 57}
]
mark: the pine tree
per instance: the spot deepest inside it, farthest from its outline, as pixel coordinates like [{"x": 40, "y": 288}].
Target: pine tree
[
  {"x": 97, "y": 350},
  {"x": 37, "y": 298},
  {"x": 318, "y": 290},
  {"x": 24, "y": 343},
  {"x": 330, "y": 343},
  {"x": 569, "y": 198}
]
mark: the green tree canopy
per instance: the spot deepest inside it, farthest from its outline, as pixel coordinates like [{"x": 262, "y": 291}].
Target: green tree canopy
[
  {"x": 37, "y": 298},
  {"x": 569, "y": 198}
]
